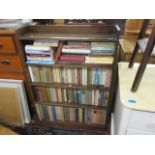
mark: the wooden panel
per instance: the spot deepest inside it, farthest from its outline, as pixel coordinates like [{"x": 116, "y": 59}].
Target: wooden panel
[
  {"x": 83, "y": 29},
  {"x": 127, "y": 45},
  {"x": 132, "y": 28},
  {"x": 10, "y": 64},
  {"x": 69, "y": 36},
  {"x": 7, "y": 45},
  {"x": 15, "y": 76},
  {"x": 9, "y": 107}
]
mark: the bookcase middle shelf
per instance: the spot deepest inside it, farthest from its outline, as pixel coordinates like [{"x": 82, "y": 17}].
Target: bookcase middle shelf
[
  {"x": 69, "y": 85},
  {"x": 73, "y": 105}
]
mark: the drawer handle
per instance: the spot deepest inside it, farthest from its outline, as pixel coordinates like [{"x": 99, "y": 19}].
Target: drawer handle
[
  {"x": 5, "y": 62},
  {"x": 1, "y": 45}
]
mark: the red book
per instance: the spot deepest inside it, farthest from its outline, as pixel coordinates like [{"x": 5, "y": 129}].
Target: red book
[{"x": 72, "y": 58}]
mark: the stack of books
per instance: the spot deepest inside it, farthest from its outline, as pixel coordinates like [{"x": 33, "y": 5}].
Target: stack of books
[
  {"x": 101, "y": 53},
  {"x": 75, "y": 51},
  {"x": 102, "y": 48},
  {"x": 41, "y": 52}
]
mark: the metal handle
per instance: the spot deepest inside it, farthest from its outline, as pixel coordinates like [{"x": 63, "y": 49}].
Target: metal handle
[{"x": 5, "y": 62}]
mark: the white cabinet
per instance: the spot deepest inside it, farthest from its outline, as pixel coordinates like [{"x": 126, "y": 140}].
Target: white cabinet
[
  {"x": 142, "y": 121},
  {"x": 127, "y": 121},
  {"x": 134, "y": 113}
]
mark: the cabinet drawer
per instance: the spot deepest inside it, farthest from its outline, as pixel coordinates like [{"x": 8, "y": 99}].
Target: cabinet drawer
[
  {"x": 16, "y": 76},
  {"x": 7, "y": 45},
  {"x": 142, "y": 121},
  {"x": 10, "y": 64}
]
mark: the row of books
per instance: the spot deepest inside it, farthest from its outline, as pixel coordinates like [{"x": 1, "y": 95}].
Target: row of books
[
  {"x": 88, "y": 52},
  {"x": 80, "y": 76},
  {"x": 41, "y": 52},
  {"x": 88, "y": 47},
  {"x": 66, "y": 114},
  {"x": 77, "y": 96}
]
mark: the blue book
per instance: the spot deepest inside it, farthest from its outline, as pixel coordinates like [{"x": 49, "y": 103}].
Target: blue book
[
  {"x": 39, "y": 62},
  {"x": 78, "y": 96},
  {"x": 95, "y": 76},
  {"x": 83, "y": 96},
  {"x": 53, "y": 113},
  {"x": 45, "y": 112},
  {"x": 90, "y": 97},
  {"x": 102, "y": 51},
  {"x": 89, "y": 115}
]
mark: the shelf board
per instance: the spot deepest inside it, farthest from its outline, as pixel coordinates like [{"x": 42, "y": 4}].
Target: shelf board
[
  {"x": 142, "y": 45},
  {"x": 72, "y": 65},
  {"x": 72, "y": 104},
  {"x": 74, "y": 125},
  {"x": 70, "y": 36},
  {"x": 72, "y": 86}
]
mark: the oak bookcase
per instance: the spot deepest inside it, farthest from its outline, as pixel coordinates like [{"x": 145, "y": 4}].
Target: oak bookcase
[{"x": 106, "y": 33}]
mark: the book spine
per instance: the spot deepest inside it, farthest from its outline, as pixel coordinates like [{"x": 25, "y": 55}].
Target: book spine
[
  {"x": 50, "y": 113},
  {"x": 31, "y": 74}
]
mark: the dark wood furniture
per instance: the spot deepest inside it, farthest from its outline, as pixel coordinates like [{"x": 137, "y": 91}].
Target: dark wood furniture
[{"x": 74, "y": 33}]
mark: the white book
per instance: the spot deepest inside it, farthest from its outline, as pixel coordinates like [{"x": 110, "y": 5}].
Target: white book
[
  {"x": 31, "y": 74},
  {"x": 37, "y": 48},
  {"x": 76, "y": 51}
]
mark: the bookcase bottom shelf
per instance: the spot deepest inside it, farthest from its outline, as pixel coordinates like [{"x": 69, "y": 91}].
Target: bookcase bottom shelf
[
  {"x": 96, "y": 129},
  {"x": 73, "y": 105}
]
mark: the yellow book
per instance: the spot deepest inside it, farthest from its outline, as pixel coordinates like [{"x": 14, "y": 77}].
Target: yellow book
[
  {"x": 103, "y": 60},
  {"x": 80, "y": 115},
  {"x": 50, "y": 113}
]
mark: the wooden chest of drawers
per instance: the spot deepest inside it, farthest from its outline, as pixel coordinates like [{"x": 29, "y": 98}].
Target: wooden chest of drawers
[
  {"x": 11, "y": 58},
  {"x": 10, "y": 62},
  {"x": 7, "y": 45}
]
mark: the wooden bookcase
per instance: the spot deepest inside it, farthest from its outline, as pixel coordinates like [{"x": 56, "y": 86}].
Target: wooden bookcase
[{"x": 74, "y": 33}]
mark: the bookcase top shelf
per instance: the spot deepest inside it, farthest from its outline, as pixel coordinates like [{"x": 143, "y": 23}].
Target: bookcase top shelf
[
  {"x": 71, "y": 32},
  {"x": 67, "y": 36}
]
